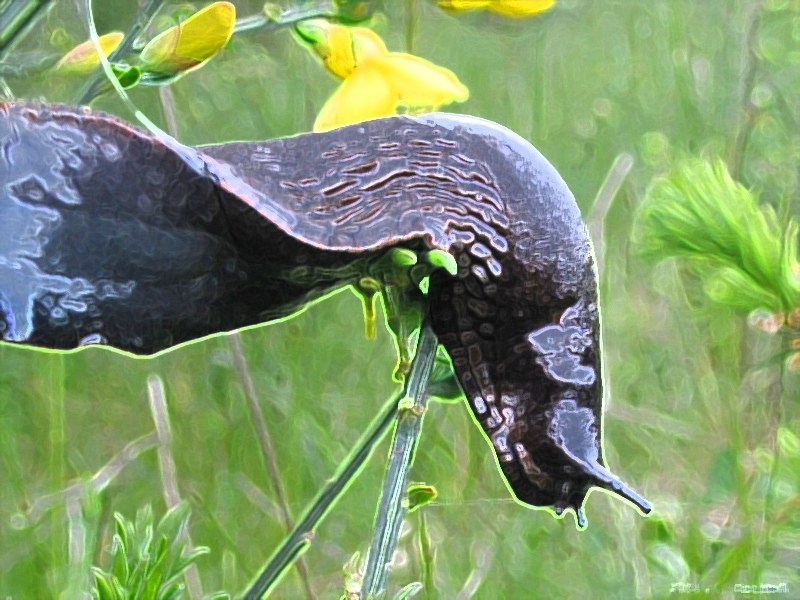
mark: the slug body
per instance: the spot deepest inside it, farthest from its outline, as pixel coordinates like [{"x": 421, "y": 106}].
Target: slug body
[{"x": 111, "y": 236}]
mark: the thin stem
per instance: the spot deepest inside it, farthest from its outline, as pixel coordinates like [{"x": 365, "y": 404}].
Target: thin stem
[
  {"x": 169, "y": 478},
  {"x": 54, "y": 376},
  {"x": 325, "y": 9},
  {"x": 297, "y": 541},
  {"x": 166, "y": 97},
  {"x": 168, "y": 108},
  {"x": 17, "y": 18},
  {"x": 427, "y": 556},
  {"x": 602, "y": 203},
  {"x": 411, "y": 25},
  {"x": 769, "y": 499},
  {"x": 267, "y": 449},
  {"x": 94, "y": 83},
  {"x": 393, "y": 503},
  {"x": 96, "y": 483},
  {"x": 748, "y": 110}
]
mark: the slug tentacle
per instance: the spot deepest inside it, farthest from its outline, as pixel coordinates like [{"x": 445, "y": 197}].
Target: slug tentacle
[{"x": 108, "y": 235}]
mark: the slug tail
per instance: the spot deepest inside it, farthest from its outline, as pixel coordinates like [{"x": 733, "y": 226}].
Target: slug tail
[{"x": 606, "y": 480}]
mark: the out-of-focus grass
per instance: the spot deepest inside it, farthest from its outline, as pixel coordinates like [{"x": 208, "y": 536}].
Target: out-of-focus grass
[{"x": 695, "y": 398}]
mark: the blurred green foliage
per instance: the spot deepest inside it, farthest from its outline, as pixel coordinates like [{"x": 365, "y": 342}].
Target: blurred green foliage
[
  {"x": 701, "y": 417},
  {"x": 745, "y": 255}
]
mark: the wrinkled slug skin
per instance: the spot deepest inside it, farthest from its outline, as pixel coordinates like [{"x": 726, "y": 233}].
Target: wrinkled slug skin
[{"x": 108, "y": 236}]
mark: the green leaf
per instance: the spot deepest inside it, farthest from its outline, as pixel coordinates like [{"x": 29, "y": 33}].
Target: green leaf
[
  {"x": 144, "y": 518},
  {"x": 694, "y": 548},
  {"x": 127, "y": 75},
  {"x": 174, "y": 522},
  {"x": 788, "y": 442},
  {"x": 736, "y": 289},
  {"x": 657, "y": 530},
  {"x": 442, "y": 383},
  {"x": 145, "y": 545},
  {"x": 721, "y": 477},
  {"x": 420, "y": 495},
  {"x": 409, "y": 591},
  {"x": 119, "y": 567},
  {"x": 119, "y": 591},
  {"x": 732, "y": 560},
  {"x": 186, "y": 559},
  {"x": 136, "y": 580},
  {"x": 173, "y": 591},
  {"x": 155, "y": 571},
  {"x": 102, "y": 590},
  {"x": 121, "y": 530},
  {"x": 158, "y": 79}
]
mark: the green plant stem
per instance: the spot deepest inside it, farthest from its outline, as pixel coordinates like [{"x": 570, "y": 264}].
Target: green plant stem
[
  {"x": 325, "y": 9},
  {"x": 93, "y": 86},
  {"x": 411, "y": 25},
  {"x": 242, "y": 369},
  {"x": 427, "y": 556},
  {"x": 17, "y": 18},
  {"x": 393, "y": 503},
  {"x": 769, "y": 499},
  {"x": 55, "y": 376},
  {"x": 94, "y": 484},
  {"x": 168, "y": 109},
  {"x": 297, "y": 541},
  {"x": 749, "y": 111},
  {"x": 267, "y": 450},
  {"x": 169, "y": 477},
  {"x": 615, "y": 177}
]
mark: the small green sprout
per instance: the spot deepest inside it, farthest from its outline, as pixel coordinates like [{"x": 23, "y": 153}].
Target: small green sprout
[{"x": 148, "y": 560}]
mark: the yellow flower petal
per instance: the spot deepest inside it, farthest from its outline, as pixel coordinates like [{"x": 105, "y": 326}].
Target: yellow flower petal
[
  {"x": 420, "y": 83},
  {"x": 367, "y": 44},
  {"x": 83, "y": 58},
  {"x": 509, "y": 8},
  {"x": 191, "y": 43},
  {"x": 375, "y": 80},
  {"x": 364, "y": 95},
  {"x": 332, "y": 43},
  {"x": 341, "y": 48},
  {"x": 520, "y": 8},
  {"x": 464, "y": 4}
]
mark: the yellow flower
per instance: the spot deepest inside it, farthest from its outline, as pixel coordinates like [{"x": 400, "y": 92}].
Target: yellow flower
[
  {"x": 190, "y": 44},
  {"x": 509, "y": 8},
  {"x": 376, "y": 81},
  {"x": 83, "y": 58}
]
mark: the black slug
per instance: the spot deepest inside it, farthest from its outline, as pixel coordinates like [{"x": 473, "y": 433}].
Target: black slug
[{"x": 109, "y": 235}]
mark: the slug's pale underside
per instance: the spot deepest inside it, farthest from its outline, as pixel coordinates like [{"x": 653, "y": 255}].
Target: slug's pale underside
[{"x": 112, "y": 236}]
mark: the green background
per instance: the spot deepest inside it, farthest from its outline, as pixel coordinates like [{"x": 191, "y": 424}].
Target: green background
[{"x": 694, "y": 397}]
